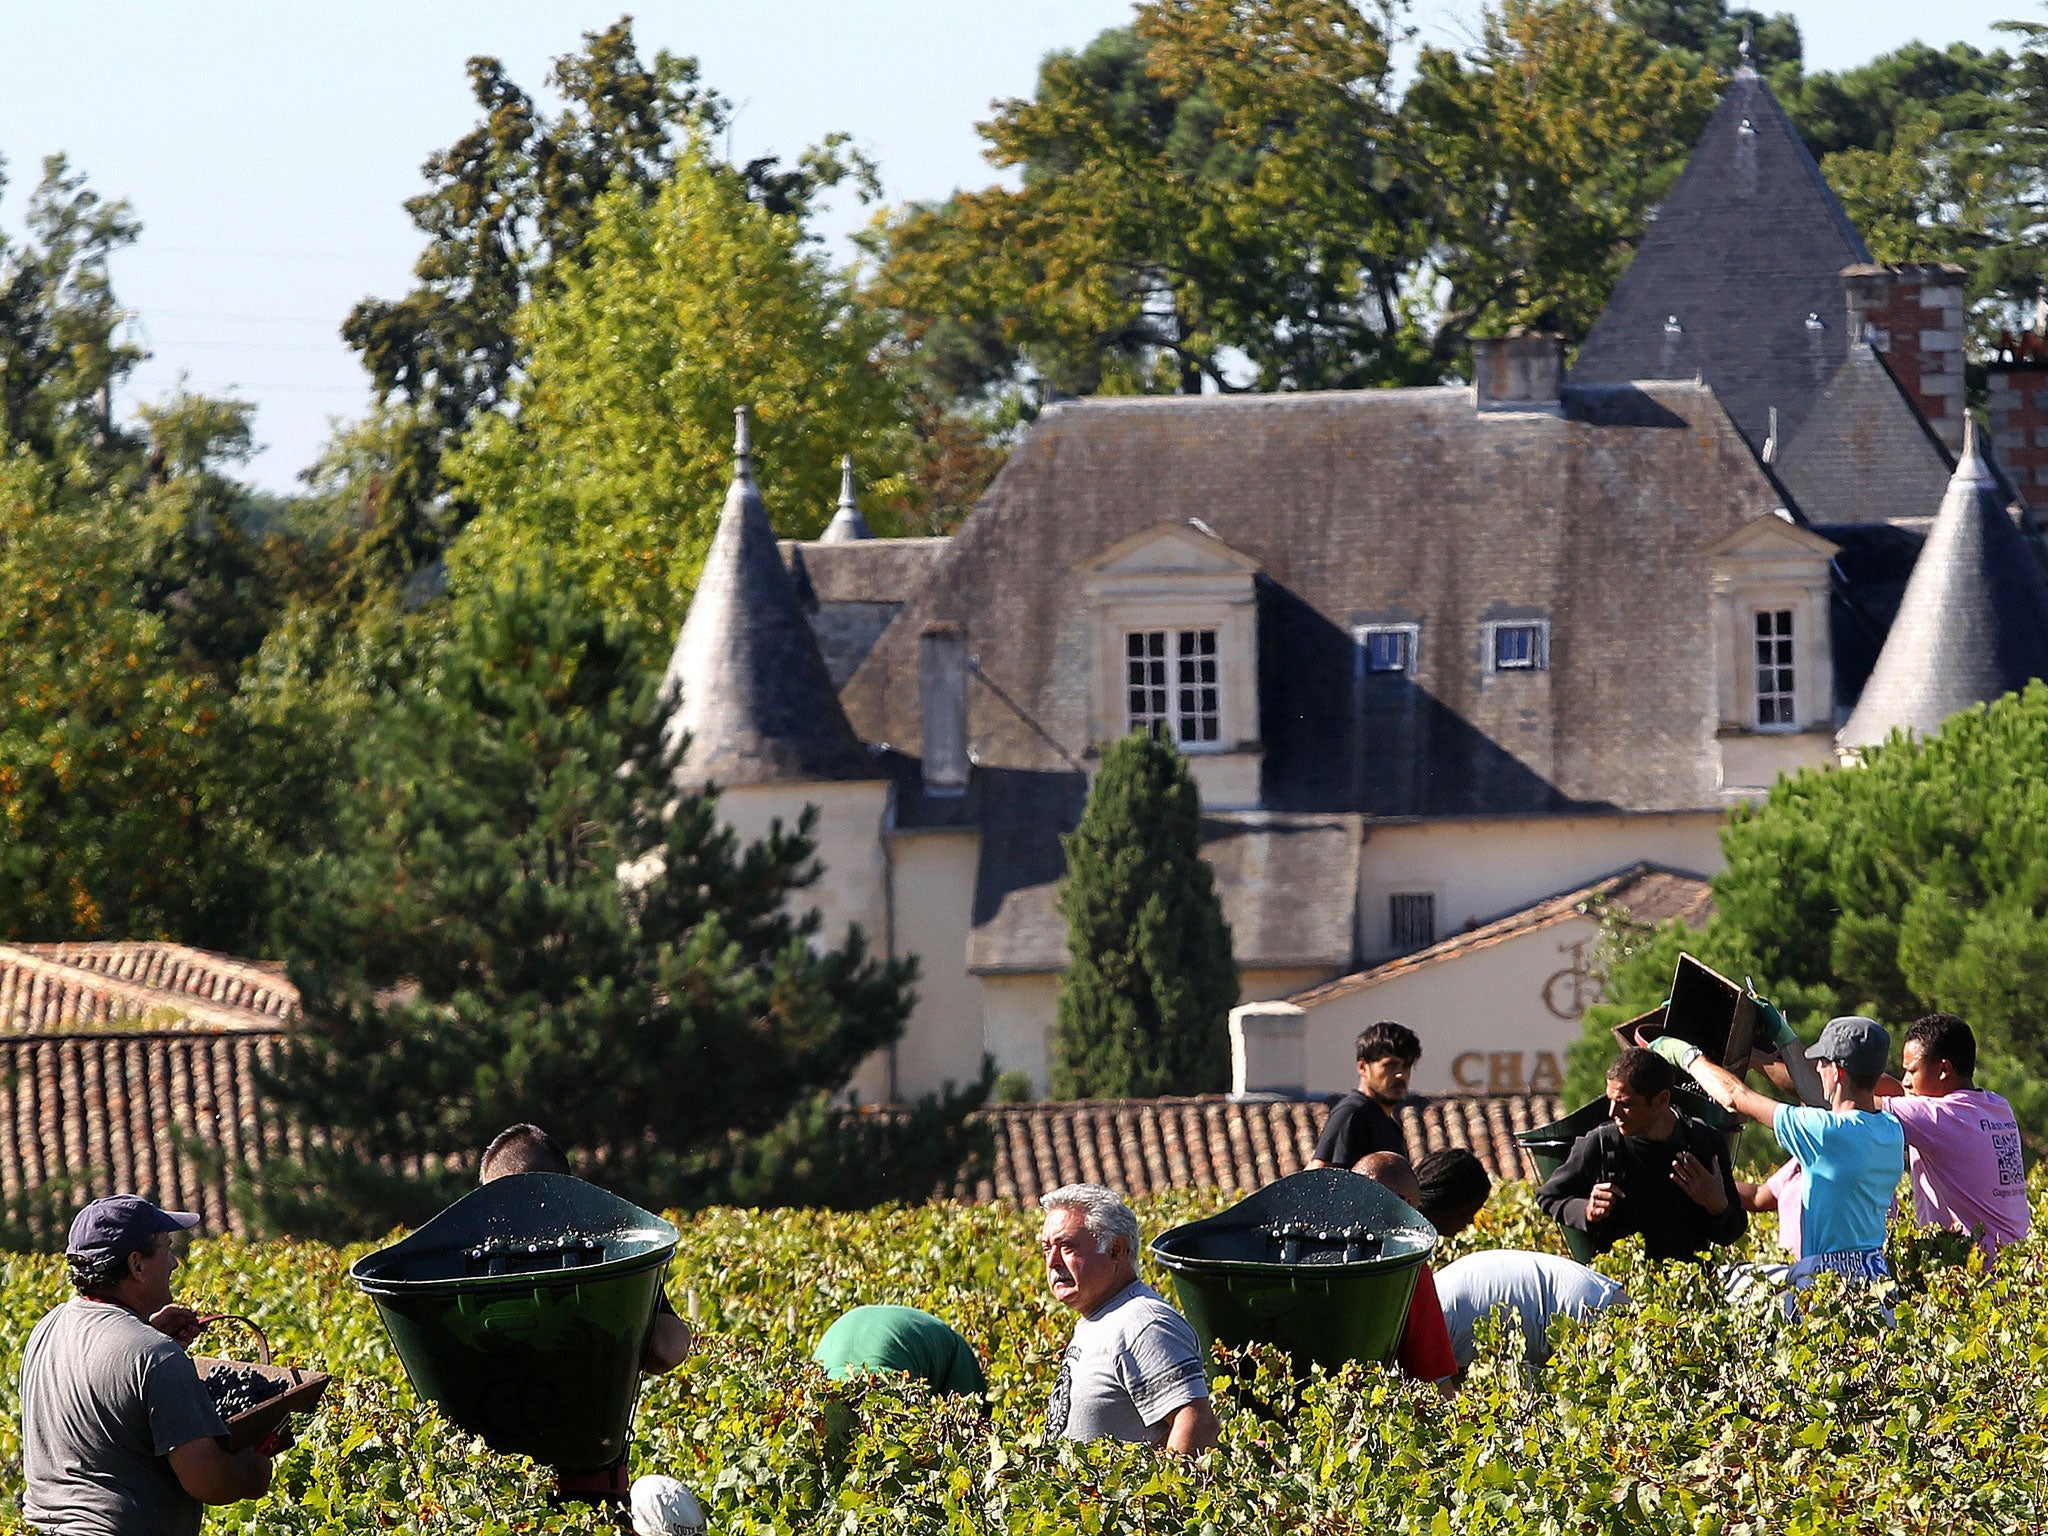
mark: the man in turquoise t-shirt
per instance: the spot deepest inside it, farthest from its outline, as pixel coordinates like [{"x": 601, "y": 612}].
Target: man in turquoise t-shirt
[
  {"x": 1853, "y": 1154},
  {"x": 900, "y": 1339}
]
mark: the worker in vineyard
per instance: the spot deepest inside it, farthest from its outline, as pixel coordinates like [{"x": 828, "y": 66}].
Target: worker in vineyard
[
  {"x": 118, "y": 1434},
  {"x": 905, "y": 1341},
  {"x": 1649, "y": 1168},
  {"x": 1366, "y": 1119},
  {"x": 1133, "y": 1370},
  {"x": 1424, "y": 1353},
  {"x": 1455, "y": 1185},
  {"x": 1529, "y": 1291},
  {"x": 1852, "y": 1153},
  {"x": 526, "y": 1148}
]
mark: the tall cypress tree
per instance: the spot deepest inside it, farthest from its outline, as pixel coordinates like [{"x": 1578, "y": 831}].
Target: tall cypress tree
[
  {"x": 1145, "y": 1004},
  {"x": 470, "y": 955}
]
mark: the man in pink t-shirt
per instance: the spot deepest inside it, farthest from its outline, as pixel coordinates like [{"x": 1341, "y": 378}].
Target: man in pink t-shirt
[
  {"x": 1962, "y": 1141},
  {"x": 1781, "y": 1192}
]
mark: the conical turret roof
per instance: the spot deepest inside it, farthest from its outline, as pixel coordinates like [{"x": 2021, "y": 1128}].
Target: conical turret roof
[
  {"x": 754, "y": 696},
  {"x": 1973, "y": 624},
  {"x": 847, "y": 524},
  {"x": 1739, "y": 279}
]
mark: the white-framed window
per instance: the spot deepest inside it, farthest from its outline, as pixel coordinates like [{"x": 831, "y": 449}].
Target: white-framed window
[
  {"x": 1383, "y": 649},
  {"x": 1173, "y": 681},
  {"x": 1520, "y": 646},
  {"x": 1411, "y": 920},
  {"x": 1774, "y": 670}
]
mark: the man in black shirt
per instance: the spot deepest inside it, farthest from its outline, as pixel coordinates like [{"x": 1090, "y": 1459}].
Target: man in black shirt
[
  {"x": 1650, "y": 1169},
  {"x": 1363, "y": 1120}
]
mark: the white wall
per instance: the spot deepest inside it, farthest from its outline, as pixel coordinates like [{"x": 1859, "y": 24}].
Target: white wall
[
  {"x": 1497, "y": 1019},
  {"x": 1481, "y": 870},
  {"x": 943, "y": 1041}
]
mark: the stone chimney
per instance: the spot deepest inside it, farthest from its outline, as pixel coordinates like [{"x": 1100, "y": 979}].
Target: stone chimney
[
  {"x": 942, "y": 697},
  {"x": 2017, "y": 380},
  {"x": 1912, "y": 312},
  {"x": 1521, "y": 371}
]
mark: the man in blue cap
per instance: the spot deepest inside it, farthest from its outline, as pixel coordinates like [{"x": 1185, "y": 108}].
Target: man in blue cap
[
  {"x": 118, "y": 1435},
  {"x": 1853, "y": 1153}
]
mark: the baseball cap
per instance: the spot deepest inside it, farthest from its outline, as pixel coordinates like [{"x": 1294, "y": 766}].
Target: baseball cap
[
  {"x": 1853, "y": 1043},
  {"x": 119, "y": 1225},
  {"x": 664, "y": 1507}
]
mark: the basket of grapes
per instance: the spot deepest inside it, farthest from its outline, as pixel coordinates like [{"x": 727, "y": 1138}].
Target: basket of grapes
[{"x": 255, "y": 1396}]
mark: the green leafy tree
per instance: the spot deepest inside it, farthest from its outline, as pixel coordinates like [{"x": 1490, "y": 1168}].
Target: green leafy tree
[
  {"x": 60, "y": 350},
  {"x": 1207, "y": 201},
  {"x": 506, "y": 214},
  {"x": 1144, "y": 1006},
  {"x": 520, "y": 921},
  {"x": 1915, "y": 883},
  {"x": 121, "y": 815},
  {"x": 613, "y": 465},
  {"x": 1547, "y": 148}
]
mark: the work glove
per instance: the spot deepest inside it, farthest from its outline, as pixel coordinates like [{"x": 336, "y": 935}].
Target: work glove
[
  {"x": 1776, "y": 1029},
  {"x": 1680, "y": 1053}
]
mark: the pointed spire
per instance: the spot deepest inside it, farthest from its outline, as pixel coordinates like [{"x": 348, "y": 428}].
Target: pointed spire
[
  {"x": 1973, "y": 624},
  {"x": 746, "y": 682},
  {"x": 847, "y": 524}
]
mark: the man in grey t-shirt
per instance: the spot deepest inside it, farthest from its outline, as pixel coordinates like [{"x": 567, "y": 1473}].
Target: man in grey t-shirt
[
  {"x": 1134, "y": 1368},
  {"x": 118, "y": 1436}
]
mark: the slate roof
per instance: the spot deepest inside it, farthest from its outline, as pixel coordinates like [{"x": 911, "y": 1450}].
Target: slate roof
[
  {"x": 1289, "y": 887},
  {"x": 1973, "y": 624},
  {"x": 850, "y": 590},
  {"x": 1865, "y": 454},
  {"x": 1644, "y": 893},
  {"x": 759, "y": 705},
  {"x": 1404, "y": 505},
  {"x": 1748, "y": 244},
  {"x": 1146, "y": 1146},
  {"x": 847, "y": 524}
]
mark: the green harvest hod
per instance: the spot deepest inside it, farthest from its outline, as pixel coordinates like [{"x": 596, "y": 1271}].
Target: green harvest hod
[
  {"x": 521, "y": 1312},
  {"x": 1320, "y": 1264}
]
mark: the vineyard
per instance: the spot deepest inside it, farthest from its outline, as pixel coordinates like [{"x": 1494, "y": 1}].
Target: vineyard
[{"x": 1682, "y": 1414}]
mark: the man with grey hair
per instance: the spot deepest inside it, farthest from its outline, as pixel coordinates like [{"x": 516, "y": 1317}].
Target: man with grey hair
[{"x": 1133, "y": 1370}]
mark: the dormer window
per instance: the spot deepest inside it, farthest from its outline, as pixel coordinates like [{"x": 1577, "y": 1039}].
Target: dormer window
[
  {"x": 1776, "y": 695},
  {"x": 1518, "y": 647},
  {"x": 1173, "y": 682}
]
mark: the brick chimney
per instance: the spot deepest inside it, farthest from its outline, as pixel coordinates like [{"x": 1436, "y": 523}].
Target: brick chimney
[
  {"x": 2017, "y": 380},
  {"x": 1521, "y": 371},
  {"x": 1912, "y": 312}
]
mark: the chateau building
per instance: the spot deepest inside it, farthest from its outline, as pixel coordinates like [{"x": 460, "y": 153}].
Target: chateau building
[{"x": 1456, "y": 669}]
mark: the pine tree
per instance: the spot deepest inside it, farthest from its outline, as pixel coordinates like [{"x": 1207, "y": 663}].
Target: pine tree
[
  {"x": 520, "y": 922},
  {"x": 1145, "y": 1003}
]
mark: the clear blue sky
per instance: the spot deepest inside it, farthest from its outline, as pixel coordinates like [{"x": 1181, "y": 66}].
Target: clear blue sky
[{"x": 268, "y": 147}]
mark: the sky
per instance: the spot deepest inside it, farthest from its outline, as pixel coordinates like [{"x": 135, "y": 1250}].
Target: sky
[{"x": 268, "y": 148}]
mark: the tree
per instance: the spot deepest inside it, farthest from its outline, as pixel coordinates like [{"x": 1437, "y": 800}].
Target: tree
[
  {"x": 60, "y": 356},
  {"x": 120, "y": 811},
  {"x": 620, "y": 447},
  {"x": 506, "y": 214},
  {"x": 1207, "y": 202},
  {"x": 1547, "y": 149},
  {"x": 521, "y": 922},
  {"x": 1914, "y": 884},
  {"x": 1145, "y": 1003}
]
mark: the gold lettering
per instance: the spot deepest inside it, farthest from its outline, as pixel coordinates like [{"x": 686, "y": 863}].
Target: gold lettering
[
  {"x": 1548, "y": 1077},
  {"x": 1504, "y": 1072},
  {"x": 1458, "y": 1065}
]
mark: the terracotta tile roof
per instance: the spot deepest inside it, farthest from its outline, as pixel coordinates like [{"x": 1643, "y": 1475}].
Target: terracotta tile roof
[
  {"x": 84, "y": 1115},
  {"x": 49, "y": 988},
  {"x": 1144, "y": 1146},
  {"x": 1643, "y": 893}
]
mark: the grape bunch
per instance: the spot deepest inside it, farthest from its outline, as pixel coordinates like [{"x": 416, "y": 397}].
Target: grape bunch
[{"x": 236, "y": 1389}]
